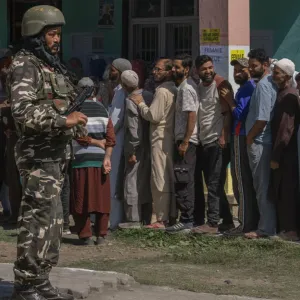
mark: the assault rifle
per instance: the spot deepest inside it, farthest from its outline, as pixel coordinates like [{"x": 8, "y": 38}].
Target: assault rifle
[{"x": 79, "y": 100}]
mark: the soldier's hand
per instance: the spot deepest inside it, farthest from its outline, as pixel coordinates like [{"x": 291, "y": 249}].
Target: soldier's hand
[{"x": 76, "y": 118}]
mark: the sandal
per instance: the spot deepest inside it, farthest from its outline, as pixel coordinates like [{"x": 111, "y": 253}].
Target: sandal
[
  {"x": 156, "y": 225},
  {"x": 253, "y": 235}
]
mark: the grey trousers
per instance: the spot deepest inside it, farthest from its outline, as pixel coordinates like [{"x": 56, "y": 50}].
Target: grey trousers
[{"x": 259, "y": 160}]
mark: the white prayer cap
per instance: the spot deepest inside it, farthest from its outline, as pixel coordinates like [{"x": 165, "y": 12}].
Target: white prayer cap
[
  {"x": 130, "y": 79},
  {"x": 85, "y": 82},
  {"x": 273, "y": 62},
  {"x": 287, "y": 66}
]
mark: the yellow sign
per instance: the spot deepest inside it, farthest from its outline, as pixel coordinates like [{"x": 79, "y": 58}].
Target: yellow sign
[
  {"x": 236, "y": 54},
  {"x": 211, "y": 35}
]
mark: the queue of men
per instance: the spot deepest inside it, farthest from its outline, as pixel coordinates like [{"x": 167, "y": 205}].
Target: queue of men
[
  {"x": 172, "y": 140},
  {"x": 148, "y": 149},
  {"x": 196, "y": 130}
]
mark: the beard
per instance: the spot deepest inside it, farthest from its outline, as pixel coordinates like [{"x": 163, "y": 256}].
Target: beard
[
  {"x": 240, "y": 80},
  {"x": 258, "y": 74},
  {"x": 178, "y": 76},
  {"x": 113, "y": 77},
  {"x": 160, "y": 79},
  {"x": 208, "y": 78},
  {"x": 54, "y": 49}
]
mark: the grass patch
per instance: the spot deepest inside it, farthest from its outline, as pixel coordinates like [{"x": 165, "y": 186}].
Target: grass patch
[
  {"x": 8, "y": 235},
  {"x": 211, "y": 250},
  {"x": 260, "y": 268}
]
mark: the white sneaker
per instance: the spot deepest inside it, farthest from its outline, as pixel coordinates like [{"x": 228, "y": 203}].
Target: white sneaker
[{"x": 66, "y": 232}]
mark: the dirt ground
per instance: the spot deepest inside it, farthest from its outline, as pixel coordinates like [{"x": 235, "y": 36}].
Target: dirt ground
[
  {"x": 209, "y": 265},
  {"x": 71, "y": 254}
]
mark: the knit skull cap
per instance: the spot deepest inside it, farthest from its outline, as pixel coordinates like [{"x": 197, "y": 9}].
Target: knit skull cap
[
  {"x": 130, "y": 79},
  {"x": 122, "y": 64},
  {"x": 287, "y": 66}
]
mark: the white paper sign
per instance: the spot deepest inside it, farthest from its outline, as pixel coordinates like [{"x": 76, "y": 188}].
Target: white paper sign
[
  {"x": 219, "y": 55},
  {"x": 216, "y": 51}
]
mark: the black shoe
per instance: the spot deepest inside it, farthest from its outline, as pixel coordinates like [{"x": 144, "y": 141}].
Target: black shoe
[
  {"x": 235, "y": 232},
  {"x": 226, "y": 227},
  {"x": 180, "y": 227},
  {"x": 26, "y": 293},
  {"x": 45, "y": 289}
]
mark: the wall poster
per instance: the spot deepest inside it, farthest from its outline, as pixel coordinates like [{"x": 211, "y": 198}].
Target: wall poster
[{"x": 106, "y": 13}]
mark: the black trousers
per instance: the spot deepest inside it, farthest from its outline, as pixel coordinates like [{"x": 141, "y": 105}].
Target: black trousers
[
  {"x": 225, "y": 212},
  {"x": 184, "y": 171},
  {"x": 242, "y": 182},
  {"x": 209, "y": 161},
  {"x": 199, "y": 210}
]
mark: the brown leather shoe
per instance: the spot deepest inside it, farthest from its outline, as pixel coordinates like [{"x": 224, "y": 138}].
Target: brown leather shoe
[
  {"x": 206, "y": 229},
  {"x": 290, "y": 236}
]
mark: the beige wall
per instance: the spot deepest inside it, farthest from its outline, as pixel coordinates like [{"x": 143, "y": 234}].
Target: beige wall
[{"x": 239, "y": 22}]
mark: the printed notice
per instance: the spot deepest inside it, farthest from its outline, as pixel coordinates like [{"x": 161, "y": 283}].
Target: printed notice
[
  {"x": 219, "y": 51},
  {"x": 236, "y": 54},
  {"x": 219, "y": 55},
  {"x": 211, "y": 35}
]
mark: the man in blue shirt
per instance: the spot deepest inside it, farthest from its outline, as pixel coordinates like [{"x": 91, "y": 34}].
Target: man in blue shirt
[
  {"x": 240, "y": 169},
  {"x": 259, "y": 140}
]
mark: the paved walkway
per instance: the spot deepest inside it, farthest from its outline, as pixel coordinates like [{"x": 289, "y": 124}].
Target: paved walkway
[{"x": 94, "y": 285}]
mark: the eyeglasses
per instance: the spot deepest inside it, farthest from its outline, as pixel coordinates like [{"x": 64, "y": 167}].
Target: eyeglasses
[{"x": 158, "y": 70}]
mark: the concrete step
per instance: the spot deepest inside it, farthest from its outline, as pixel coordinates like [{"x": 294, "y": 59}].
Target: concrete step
[{"x": 78, "y": 282}]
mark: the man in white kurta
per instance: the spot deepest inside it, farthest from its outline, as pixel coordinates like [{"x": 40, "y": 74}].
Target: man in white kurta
[
  {"x": 116, "y": 113},
  {"x": 161, "y": 115}
]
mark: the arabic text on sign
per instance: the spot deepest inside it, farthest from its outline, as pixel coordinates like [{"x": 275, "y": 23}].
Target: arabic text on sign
[{"x": 211, "y": 35}]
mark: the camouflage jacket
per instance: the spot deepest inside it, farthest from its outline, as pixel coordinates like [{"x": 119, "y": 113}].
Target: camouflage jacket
[{"x": 33, "y": 88}]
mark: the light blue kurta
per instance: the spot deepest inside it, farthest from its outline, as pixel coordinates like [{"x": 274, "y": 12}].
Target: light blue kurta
[{"x": 116, "y": 112}]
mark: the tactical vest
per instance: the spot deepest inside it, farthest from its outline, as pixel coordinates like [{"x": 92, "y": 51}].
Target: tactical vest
[{"x": 56, "y": 89}]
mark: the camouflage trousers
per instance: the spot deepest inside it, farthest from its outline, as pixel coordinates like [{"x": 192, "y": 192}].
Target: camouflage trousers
[{"x": 40, "y": 221}]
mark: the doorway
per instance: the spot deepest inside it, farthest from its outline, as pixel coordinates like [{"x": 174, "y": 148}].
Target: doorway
[{"x": 163, "y": 28}]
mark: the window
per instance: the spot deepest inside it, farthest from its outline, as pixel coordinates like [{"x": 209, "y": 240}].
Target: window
[
  {"x": 97, "y": 44},
  {"x": 179, "y": 39},
  {"x": 163, "y": 28},
  {"x": 147, "y": 9},
  {"x": 145, "y": 42},
  {"x": 180, "y": 8}
]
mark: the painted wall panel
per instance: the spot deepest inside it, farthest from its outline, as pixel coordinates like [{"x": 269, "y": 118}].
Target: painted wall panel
[
  {"x": 276, "y": 25},
  {"x": 82, "y": 17}
]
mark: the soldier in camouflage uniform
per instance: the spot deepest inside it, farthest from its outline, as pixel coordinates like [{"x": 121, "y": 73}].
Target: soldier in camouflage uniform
[{"x": 40, "y": 93}]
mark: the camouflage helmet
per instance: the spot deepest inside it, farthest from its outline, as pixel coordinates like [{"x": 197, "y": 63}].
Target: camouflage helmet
[{"x": 38, "y": 17}]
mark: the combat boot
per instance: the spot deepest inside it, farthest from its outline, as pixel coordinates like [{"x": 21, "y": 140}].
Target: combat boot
[
  {"x": 26, "y": 293},
  {"x": 45, "y": 288}
]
